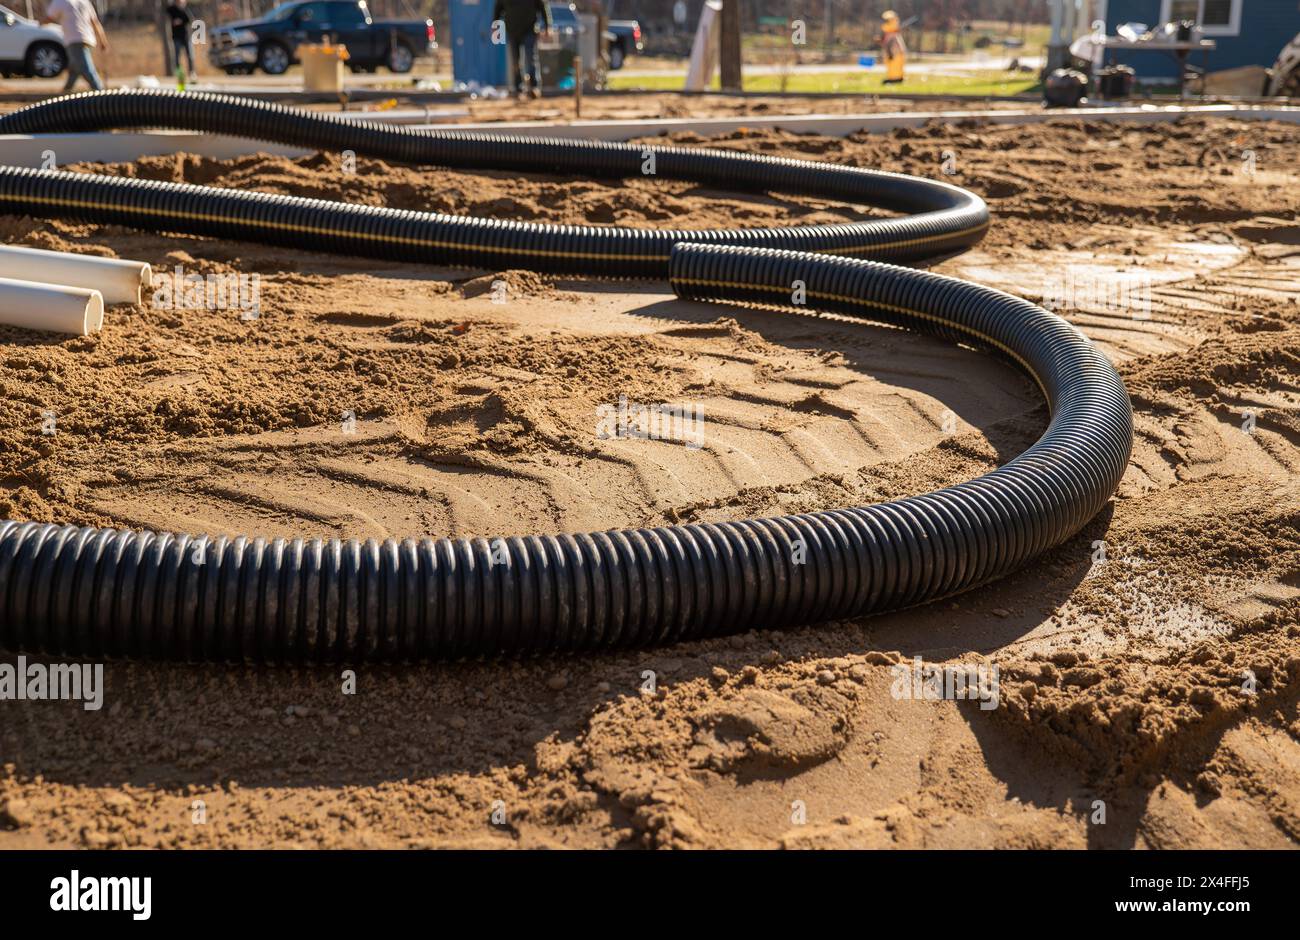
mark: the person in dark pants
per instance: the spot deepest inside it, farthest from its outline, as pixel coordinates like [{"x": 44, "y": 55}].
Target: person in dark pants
[
  {"x": 520, "y": 19},
  {"x": 81, "y": 33},
  {"x": 181, "y": 19}
]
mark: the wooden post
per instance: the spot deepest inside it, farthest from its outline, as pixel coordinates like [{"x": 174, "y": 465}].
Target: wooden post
[
  {"x": 828, "y": 34},
  {"x": 577, "y": 86},
  {"x": 730, "y": 46}
]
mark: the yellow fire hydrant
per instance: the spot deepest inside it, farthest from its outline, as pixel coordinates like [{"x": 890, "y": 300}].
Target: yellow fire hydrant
[{"x": 892, "y": 48}]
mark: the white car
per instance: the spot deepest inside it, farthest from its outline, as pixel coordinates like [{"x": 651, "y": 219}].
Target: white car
[{"x": 28, "y": 48}]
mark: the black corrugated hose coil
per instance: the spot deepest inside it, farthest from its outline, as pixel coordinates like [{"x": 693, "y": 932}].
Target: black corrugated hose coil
[{"x": 99, "y": 592}]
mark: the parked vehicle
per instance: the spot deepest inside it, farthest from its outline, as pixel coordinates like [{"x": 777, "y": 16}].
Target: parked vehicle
[
  {"x": 564, "y": 17},
  {"x": 28, "y": 48},
  {"x": 271, "y": 41},
  {"x": 626, "y": 41}
]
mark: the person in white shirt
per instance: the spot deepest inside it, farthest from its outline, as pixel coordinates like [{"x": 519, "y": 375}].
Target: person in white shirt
[{"x": 81, "y": 33}]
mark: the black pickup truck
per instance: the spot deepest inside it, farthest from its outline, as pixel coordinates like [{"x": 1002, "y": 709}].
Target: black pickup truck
[{"x": 270, "y": 42}]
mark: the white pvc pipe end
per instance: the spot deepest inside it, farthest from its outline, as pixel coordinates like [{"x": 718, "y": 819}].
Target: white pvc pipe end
[
  {"x": 52, "y": 308},
  {"x": 116, "y": 280}
]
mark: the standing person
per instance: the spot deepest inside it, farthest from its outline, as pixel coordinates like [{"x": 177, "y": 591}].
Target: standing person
[
  {"x": 892, "y": 47},
  {"x": 182, "y": 21},
  {"x": 520, "y": 18},
  {"x": 81, "y": 32}
]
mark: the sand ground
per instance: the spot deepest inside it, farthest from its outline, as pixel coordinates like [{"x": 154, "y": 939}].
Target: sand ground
[
  {"x": 626, "y": 106},
  {"x": 1156, "y": 689}
]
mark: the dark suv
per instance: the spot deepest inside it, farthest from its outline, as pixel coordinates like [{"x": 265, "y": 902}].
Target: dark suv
[
  {"x": 626, "y": 40},
  {"x": 271, "y": 41}
]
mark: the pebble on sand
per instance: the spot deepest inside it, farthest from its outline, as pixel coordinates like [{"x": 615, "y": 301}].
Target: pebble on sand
[{"x": 16, "y": 813}]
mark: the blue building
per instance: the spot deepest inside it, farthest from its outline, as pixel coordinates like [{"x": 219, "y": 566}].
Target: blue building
[{"x": 1248, "y": 32}]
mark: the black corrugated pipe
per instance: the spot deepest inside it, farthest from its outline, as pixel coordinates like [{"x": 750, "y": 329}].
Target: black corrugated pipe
[
  {"x": 92, "y": 592},
  {"x": 941, "y": 218}
]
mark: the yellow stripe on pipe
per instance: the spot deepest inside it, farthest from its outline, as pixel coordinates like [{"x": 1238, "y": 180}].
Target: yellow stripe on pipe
[{"x": 426, "y": 242}]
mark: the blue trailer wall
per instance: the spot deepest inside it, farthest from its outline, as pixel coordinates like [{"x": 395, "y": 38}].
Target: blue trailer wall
[
  {"x": 1264, "y": 27},
  {"x": 473, "y": 56}
]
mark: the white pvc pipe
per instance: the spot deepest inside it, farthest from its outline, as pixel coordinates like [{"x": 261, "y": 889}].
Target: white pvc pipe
[
  {"x": 51, "y": 307},
  {"x": 118, "y": 282}
]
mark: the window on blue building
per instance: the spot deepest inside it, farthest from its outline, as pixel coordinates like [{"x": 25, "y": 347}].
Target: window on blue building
[{"x": 1215, "y": 17}]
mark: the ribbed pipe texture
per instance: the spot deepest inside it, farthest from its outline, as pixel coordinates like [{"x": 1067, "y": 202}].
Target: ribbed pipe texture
[
  {"x": 942, "y": 218},
  {"x": 91, "y": 592}
]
